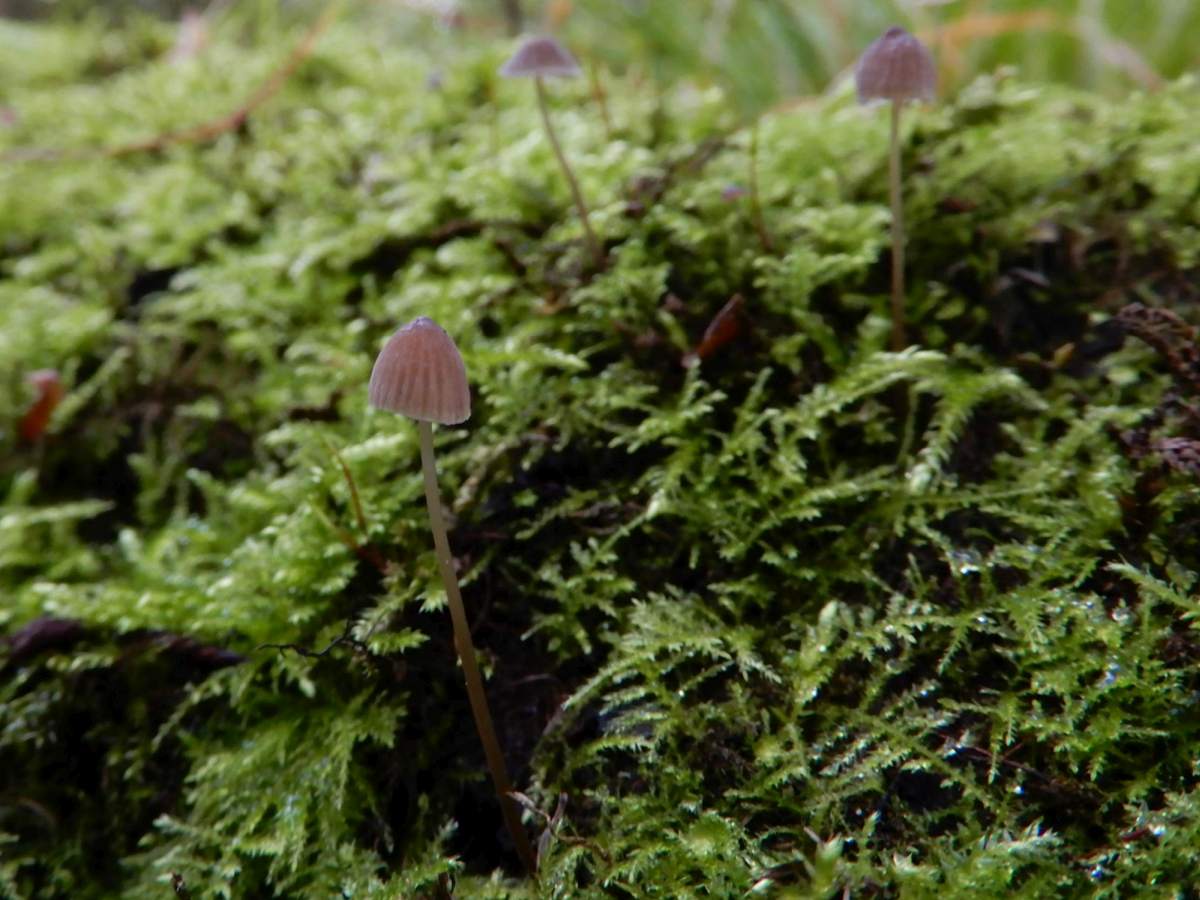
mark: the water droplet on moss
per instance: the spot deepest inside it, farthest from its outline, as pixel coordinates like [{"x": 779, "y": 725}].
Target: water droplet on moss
[{"x": 965, "y": 562}]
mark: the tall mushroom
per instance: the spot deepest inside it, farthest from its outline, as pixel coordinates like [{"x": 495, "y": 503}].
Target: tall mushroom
[
  {"x": 896, "y": 68},
  {"x": 540, "y": 58},
  {"x": 419, "y": 373}
]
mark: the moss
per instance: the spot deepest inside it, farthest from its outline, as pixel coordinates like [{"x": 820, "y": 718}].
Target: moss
[{"x": 807, "y": 616}]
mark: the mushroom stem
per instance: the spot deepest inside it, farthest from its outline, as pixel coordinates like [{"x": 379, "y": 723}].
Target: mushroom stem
[
  {"x": 466, "y": 654},
  {"x": 576, "y": 193},
  {"x": 899, "y": 339}
]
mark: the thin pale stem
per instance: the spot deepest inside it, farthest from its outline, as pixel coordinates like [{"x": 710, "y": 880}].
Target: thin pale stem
[
  {"x": 899, "y": 339},
  {"x": 760, "y": 223},
  {"x": 466, "y": 655},
  {"x": 576, "y": 193}
]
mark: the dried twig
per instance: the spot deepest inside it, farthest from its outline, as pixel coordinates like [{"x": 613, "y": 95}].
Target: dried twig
[
  {"x": 344, "y": 638},
  {"x": 206, "y": 131}
]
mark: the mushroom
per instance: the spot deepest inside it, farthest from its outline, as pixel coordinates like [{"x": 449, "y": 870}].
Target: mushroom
[
  {"x": 540, "y": 58},
  {"x": 896, "y": 68},
  {"x": 419, "y": 373}
]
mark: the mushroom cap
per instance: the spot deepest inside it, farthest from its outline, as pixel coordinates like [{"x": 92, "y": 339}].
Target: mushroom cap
[
  {"x": 541, "y": 57},
  {"x": 420, "y": 373},
  {"x": 896, "y": 66}
]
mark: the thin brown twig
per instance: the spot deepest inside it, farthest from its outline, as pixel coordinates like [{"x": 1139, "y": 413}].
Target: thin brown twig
[
  {"x": 346, "y": 637},
  {"x": 355, "y": 500},
  {"x": 365, "y": 551},
  {"x": 205, "y": 131}
]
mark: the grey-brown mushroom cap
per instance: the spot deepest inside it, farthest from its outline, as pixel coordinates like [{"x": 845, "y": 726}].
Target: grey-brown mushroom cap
[
  {"x": 897, "y": 66},
  {"x": 419, "y": 373},
  {"x": 541, "y": 57}
]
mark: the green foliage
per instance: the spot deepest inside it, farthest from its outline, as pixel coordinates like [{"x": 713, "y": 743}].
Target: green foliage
[
  {"x": 296, "y": 829},
  {"x": 802, "y": 617},
  {"x": 767, "y": 51}
]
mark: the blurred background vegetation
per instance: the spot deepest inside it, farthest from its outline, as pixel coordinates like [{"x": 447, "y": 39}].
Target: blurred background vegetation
[{"x": 764, "y": 52}]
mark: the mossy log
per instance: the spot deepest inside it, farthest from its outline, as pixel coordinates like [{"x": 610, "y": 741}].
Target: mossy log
[{"x": 774, "y": 611}]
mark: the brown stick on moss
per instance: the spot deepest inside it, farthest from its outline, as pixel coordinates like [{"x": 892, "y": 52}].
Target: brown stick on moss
[{"x": 760, "y": 222}]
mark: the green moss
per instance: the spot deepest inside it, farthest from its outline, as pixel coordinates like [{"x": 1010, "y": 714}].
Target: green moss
[{"x": 808, "y": 616}]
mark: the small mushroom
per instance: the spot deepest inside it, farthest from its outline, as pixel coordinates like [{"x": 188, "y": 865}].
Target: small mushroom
[
  {"x": 419, "y": 373},
  {"x": 540, "y": 58},
  {"x": 896, "y": 68}
]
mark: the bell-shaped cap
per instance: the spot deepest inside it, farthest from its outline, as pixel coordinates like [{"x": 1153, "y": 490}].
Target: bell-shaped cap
[
  {"x": 896, "y": 66},
  {"x": 420, "y": 373},
  {"x": 542, "y": 57}
]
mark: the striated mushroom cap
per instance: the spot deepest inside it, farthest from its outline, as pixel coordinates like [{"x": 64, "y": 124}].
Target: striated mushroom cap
[
  {"x": 896, "y": 66},
  {"x": 541, "y": 57},
  {"x": 420, "y": 373}
]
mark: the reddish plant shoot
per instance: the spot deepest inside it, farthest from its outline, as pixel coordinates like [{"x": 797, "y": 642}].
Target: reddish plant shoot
[
  {"x": 725, "y": 326},
  {"x": 50, "y": 391}
]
